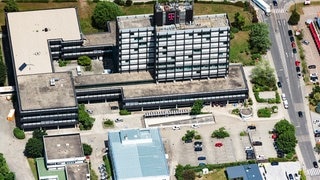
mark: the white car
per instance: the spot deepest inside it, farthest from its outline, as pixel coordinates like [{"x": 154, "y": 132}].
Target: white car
[
  {"x": 194, "y": 126},
  {"x": 176, "y": 127},
  {"x": 249, "y": 148},
  {"x": 89, "y": 111},
  {"x": 283, "y": 96}
]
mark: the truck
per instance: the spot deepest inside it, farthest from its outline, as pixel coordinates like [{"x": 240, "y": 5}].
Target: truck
[{"x": 263, "y": 6}]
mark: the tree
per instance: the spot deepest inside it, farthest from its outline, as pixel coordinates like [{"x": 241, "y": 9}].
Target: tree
[
  {"x": 318, "y": 108},
  {"x": 294, "y": 18},
  {"x": 262, "y": 76},
  {"x": 3, "y": 73},
  {"x": 11, "y": 6},
  {"x": 85, "y": 121},
  {"x": 197, "y": 107},
  {"x": 287, "y": 141},
  {"x": 39, "y": 133},
  {"x": 283, "y": 126},
  {"x": 220, "y": 133},
  {"x": 87, "y": 149},
  {"x": 317, "y": 148},
  {"x": 189, "y": 135},
  {"x": 189, "y": 174},
  {"x": 86, "y": 62},
  {"x": 4, "y": 169},
  {"x": 129, "y": 2},
  {"x": 103, "y": 12},
  {"x": 239, "y": 21},
  {"x": 34, "y": 148},
  {"x": 259, "y": 40}
]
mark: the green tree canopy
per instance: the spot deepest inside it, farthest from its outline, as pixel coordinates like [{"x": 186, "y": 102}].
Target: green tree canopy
[
  {"x": 4, "y": 169},
  {"x": 259, "y": 40},
  {"x": 34, "y": 148},
  {"x": 103, "y": 12},
  {"x": 87, "y": 149},
  {"x": 197, "y": 107},
  {"x": 239, "y": 21},
  {"x": 86, "y": 122},
  {"x": 294, "y": 18},
  {"x": 189, "y": 174},
  {"x": 39, "y": 133},
  {"x": 287, "y": 142},
  {"x": 283, "y": 126},
  {"x": 263, "y": 75},
  {"x": 11, "y": 6},
  {"x": 3, "y": 73},
  {"x": 317, "y": 148},
  {"x": 220, "y": 133}
]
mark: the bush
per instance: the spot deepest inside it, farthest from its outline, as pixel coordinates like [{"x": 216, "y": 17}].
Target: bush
[
  {"x": 124, "y": 112},
  {"x": 243, "y": 133},
  {"x": 86, "y": 62},
  {"x": 63, "y": 62},
  {"x": 220, "y": 133},
  {"x": 250, "y": 101},
  {"x": 18, "y": 133},
  {"x": 258, "y": 99},
  {"x": 235, "y": 111},
  {"x": 108, "y": 123},
  {"x": 87, "y": 149},
  {"x": 129, "y": 2},
  {"x": 294, "y": 18},
  {"x": 265, "y": 112},
  {"x": 234, "y": 30},
  {"x": 190, "y": 134},
  {"x": 197, "y": 137}
]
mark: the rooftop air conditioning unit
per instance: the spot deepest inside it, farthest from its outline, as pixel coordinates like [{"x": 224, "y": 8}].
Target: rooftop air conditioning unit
[{"x": 52, "y": 82}]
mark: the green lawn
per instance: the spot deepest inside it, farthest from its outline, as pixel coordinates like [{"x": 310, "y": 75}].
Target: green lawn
[
  {"x": 217, "y": 175},
  {"x": 32, "y": 164},
  {"x": 239, "y": 48}
]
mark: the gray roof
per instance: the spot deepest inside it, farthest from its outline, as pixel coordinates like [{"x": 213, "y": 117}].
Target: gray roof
[
  {"x": 77, "y": 171},
  {"x": 134, "y": 21},
  {"x": 137, "y": 153},
  {"x": 29, "y": 32},
  {"x": 62, "y": 146},
  {"x": 247, "y": 172},
  {"x": 35, "y": 91}
]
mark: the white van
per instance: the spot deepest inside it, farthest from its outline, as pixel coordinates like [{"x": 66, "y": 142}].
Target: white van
[{"x": 79, "y": 70}]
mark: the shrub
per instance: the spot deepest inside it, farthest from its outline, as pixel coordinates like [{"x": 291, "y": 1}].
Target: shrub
[
  {"x": 190, "y": 134},
  {"x": 294, "y": 18},
  {"x": 87, "y": 149},
  {"x": 129, "y": 2},
  {"x": 264, "y": 112},
  {"x": 258, "y": 99},
  {"x": 108, "y": 123},
  {"x": 124, "y": 112},
  {"x": 18, "y": 133},
  {"x": 220, "y": 133},
  {"x": 235, "y": 111},
  {"x": 234, "y": 30},
  {"x": 243, "y": 133},
  {"x": 197, "y": 137},
  {"x": 250, "y": 101},
  {"x": 274, "y": 109},
  {"x": 63, "y": 62}
]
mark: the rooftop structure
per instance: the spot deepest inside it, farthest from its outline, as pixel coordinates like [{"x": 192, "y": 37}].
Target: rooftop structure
[
  {"x": 235, "y": 80},
  {"x": 138, "y": 154},
  {"x": 30, "y": 31},
  {"x": 112, "y": 79},
  {"x": 245, "y": 172},
  {"x": 134, "y": 21},
  {"x": 62, "y": 146},
  {"x": 38, "y": 92},
  {"x": 78, "y": 171},
  {"x": 44, "y": 173}
]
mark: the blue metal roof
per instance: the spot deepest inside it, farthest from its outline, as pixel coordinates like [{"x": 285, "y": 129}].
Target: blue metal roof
[
  {"x": 247, "y": 172},
  {"x": 137, "y": 153}
]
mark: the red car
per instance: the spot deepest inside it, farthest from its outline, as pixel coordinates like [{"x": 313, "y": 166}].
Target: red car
[
  {"x": 293, "y": 44},
  {"x": 297, "y": 63}
]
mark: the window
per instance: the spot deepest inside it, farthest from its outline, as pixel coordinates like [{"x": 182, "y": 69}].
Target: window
[
  {"x": 164, "y": 47},
  {"x": 173, "y": 57},
  {"x": 221, "y": 32},
  {"x": 132, "y": 33},
  {"x": 197, "y": 50},
  {"x": 135, "y": 49},
  {"x": 138, "y": 38}
]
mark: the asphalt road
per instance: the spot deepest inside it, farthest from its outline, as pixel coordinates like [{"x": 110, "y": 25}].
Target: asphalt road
[{"x": 284, "y": 59}]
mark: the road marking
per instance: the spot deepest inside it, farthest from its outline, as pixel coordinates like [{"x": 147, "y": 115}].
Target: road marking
[{"x": 313, "y": 172}]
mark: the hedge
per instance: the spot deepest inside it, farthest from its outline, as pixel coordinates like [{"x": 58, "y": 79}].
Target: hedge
[
  {"x": 264, "y": 112},
  {"x": 18, "y": 133}
]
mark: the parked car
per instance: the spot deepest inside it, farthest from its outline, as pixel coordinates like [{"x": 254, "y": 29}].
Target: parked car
[
  {"x": 315, "y": 164},
  {"x": 298, "y": 69},
  {"x": 293, "y": 44},
  {"x": 201, "y": 158},
  {"x": 198, "y": 149},
  {"x": 257, "y": 143},
  {"x": 176, "y": 128},
  {"x": 275, "y": 3},
  {"x": 194, "y": 126},
  {"x": 89, "y": 111},
  {"x": 274, "y": 163},
  {"x": 312, "y": 67},
  {"x": 300, "y": 114},
  {"x": 290, "y": 32},
  {"x": 249, "y": 148},
  {"x": 305, "y": 42},
  {"x": 294, "y": 50},
  {"x": 252, "y": 127},
  {"x": 279, "y": 84},
  {"x": 291, "y": 39},
  {"x": 291, "y": 177},
  {"x": 197, "y": 144},
  {"x": 188, "y": 141},
  {"x": 114, "y": 107},
  {"x": 118, "y": 120}
]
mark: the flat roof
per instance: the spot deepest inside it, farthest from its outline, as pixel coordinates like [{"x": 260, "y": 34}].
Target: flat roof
[
  {"x": 102, "y": 38},
  {"x": 235, "y": 80},
  {"x": 203, "y": 21},
  {"x": 247, "y": 172},
  {"x": 62, "y": 146},
  {"x": 115, "y": 78},
  {"x": 29, "y": 32},
  {"x": 35, "y": 91},
  {"x": 137, "y": 153},
  {"x": 77, "y": 171},
  {"x": 44, "y": 173},
  {"x": 134, "y": 21}
]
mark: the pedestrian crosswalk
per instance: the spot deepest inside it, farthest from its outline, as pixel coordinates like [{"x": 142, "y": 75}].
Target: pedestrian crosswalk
[
  {"x": 313, "y": 172},
  {"x": 278, "y": 11}
]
